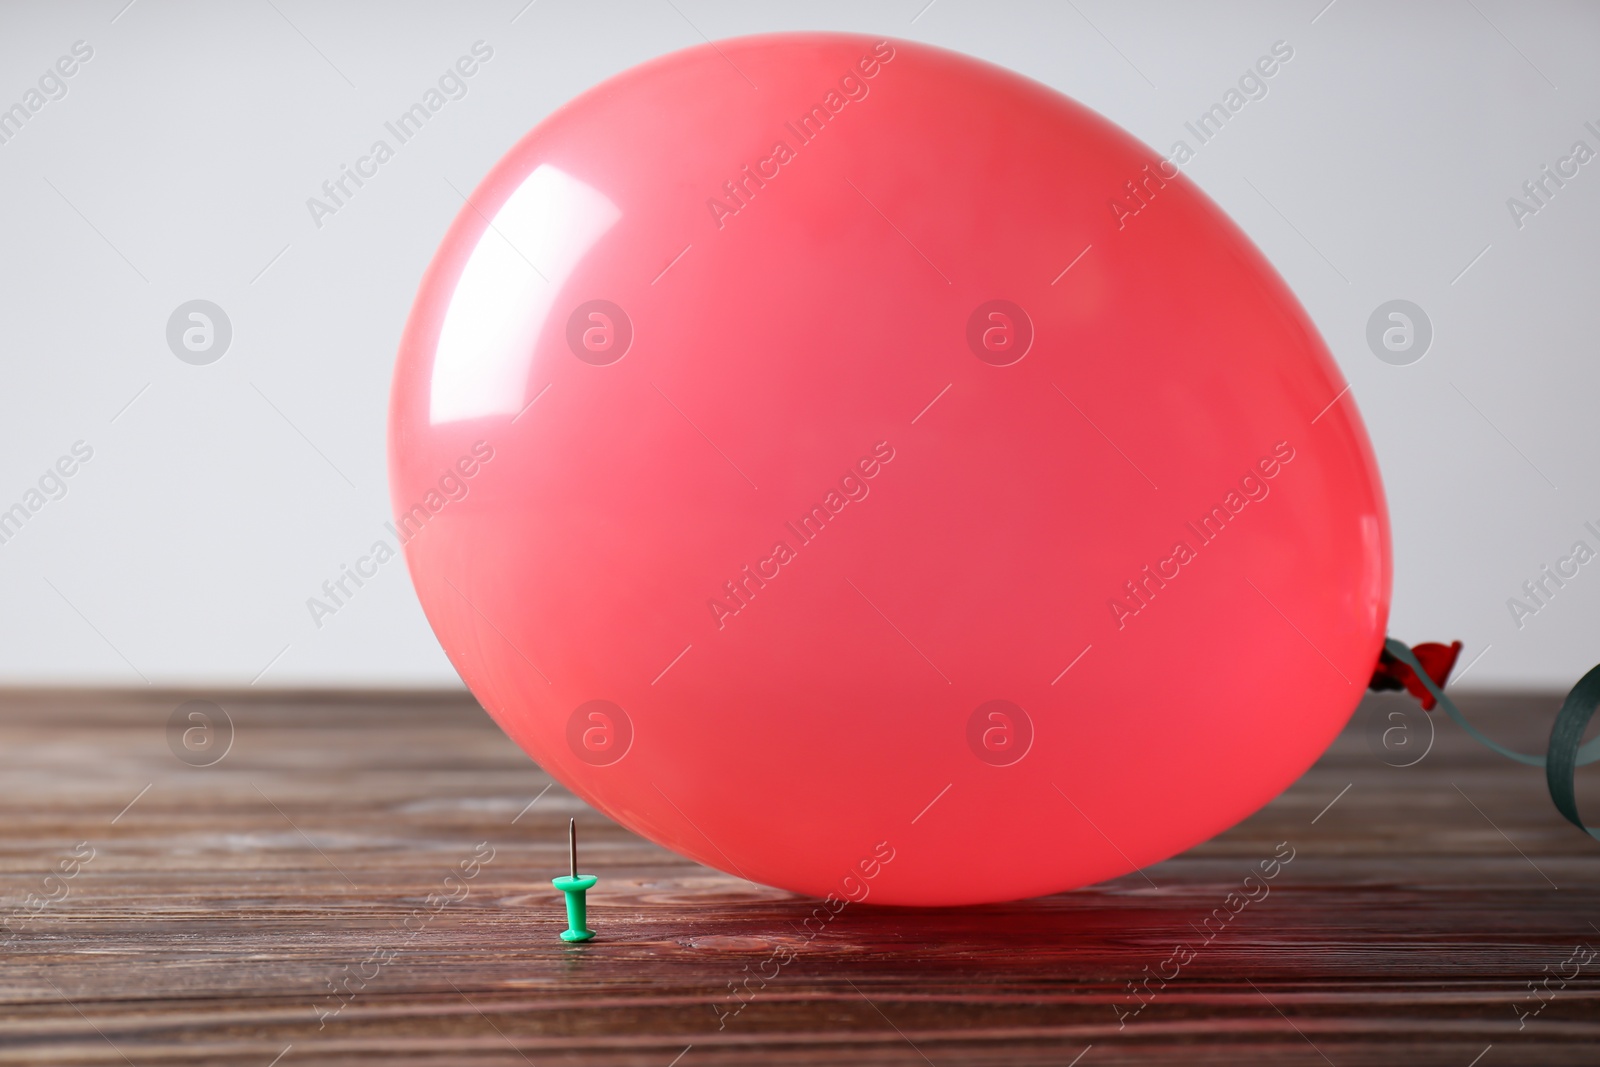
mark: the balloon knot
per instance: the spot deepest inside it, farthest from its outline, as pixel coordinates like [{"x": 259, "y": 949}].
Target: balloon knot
[{"x": 1392, "y": 674}]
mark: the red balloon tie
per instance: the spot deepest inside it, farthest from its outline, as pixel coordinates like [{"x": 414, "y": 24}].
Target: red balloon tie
[{"x": 1393, "y": 673}]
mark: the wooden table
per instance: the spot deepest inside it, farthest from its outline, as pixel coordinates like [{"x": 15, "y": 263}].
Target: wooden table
[{"x": 295, "y": 901}]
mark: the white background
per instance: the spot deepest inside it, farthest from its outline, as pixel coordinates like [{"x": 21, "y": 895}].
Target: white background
[{"x": 179, "y": 163}]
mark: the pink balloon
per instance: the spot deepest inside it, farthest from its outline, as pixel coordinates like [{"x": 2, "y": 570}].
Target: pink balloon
[{"x": 866, "y": 471}]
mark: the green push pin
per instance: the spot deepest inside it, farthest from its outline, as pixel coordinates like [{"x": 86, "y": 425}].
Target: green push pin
[{"x": 575, "y": 885}]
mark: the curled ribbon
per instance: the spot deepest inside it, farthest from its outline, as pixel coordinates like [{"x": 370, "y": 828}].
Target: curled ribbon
[{"x": 1564, "y": 755}]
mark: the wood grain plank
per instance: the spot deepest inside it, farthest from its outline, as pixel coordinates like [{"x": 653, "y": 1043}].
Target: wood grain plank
[{"x": 221, "y": 910}]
